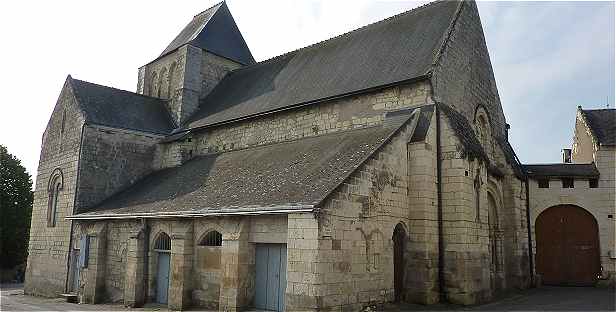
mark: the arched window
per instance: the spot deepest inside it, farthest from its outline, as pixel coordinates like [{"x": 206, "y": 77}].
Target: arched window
[
  {"x": 163, "y": 92},
  {"x": 211, "y": 239},
  {"x": 171, "y": 86},
  {"x": 53, "y": 190},
  {"x": 482, "y": 130},
  {"x": 154, "y": 84},
  {"x": 162, "y": 243},
  {"x": 493, "y": 230}
]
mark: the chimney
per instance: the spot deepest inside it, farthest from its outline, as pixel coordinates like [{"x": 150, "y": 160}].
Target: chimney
[{"x": 566, "y": 155}]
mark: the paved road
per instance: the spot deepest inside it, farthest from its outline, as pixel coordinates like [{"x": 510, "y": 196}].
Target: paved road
[
  {"x": 539, "y": 299},
  {"x": 557, "y": 299},
  {"x": 12, "y": 298},
  {"x": 546, "y": 298}
]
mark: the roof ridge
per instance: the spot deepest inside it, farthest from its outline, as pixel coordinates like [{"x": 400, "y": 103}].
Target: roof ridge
[
  {"x": 118, "y": 89},
  {"x": 215, "y": 5},
  {"x": 414, "y": 10}
]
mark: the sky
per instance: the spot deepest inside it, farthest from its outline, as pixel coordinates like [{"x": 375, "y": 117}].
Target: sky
[{"x": 548, "y": 57}]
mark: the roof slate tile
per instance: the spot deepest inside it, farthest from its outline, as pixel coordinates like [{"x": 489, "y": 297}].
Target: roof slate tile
[
  {"x": 291, "y": 174},
  {"x": 396, "y": 49},
  {"x": 121, "y": 109}
]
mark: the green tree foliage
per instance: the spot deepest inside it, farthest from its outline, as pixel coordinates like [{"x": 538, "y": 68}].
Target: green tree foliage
[{"x": 15, "y": 210}]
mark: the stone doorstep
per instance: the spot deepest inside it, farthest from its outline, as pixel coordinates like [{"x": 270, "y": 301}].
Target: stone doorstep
[{"x": 70, "y": 297}]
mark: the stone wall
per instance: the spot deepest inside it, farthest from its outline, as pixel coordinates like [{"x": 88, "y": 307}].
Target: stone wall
[
  {"x": 112, "y": 160},
  {"x": 463, "y": 77},
  {"x": 118, "y": 234},
  {"x": 423, "y": 226},
  {"x": 584, "y": 145},
  {"x": 344, "y": 114},
  {"x": 606, "y": 203},
  {"x": 48, "y": 249},
  {"x": 183, "y": 77},
  {"x": 465, "y": 217},
  {"x": 345, "y": 260},
  {"x": 484, "y": 223},
  {"x": 213, "y": 69},
  {"x": 303, "y": 275},
  {"x": 200, "y": 276}
]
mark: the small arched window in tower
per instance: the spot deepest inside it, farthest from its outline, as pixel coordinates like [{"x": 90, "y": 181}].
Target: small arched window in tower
[
  {"x": 211, "y": 239},
  {"x": 163, "y": 242},
  {"x": 53, "y": 203}
]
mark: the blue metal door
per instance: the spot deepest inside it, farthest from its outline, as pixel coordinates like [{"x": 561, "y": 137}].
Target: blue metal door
[
  {"x": 162, "y": 277},
  {"x": 271, "y": 280}
]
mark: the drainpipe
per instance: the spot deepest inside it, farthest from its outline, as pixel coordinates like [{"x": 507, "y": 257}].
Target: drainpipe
[
  {"x": 439, "y": 208},
  {"x": 530, "y": 238}
]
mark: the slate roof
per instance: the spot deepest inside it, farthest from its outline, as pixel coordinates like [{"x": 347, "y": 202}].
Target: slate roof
[
  {"x": 121, "y": 109},
  {"x": 423, "y": 124},
  {"x": 294, "y": 175},
  {"x": 562, "y": 170},
  {"x": 215, "y": 31},
  {"x": 465, "y": 133},
  {"x": 400, "y": 48},
  {"x": 602, "y": 123},
  {"x": 473, "y": 148}
]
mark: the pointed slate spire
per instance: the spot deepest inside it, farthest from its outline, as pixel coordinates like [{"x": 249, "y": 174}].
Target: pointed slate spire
[{"x": 214, "y": 30}]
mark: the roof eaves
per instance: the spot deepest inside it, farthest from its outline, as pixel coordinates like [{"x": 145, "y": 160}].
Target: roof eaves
[
  {"x": 205, "y": 212},
  {"x": 587, "y": 172},
  {"x": 151, "y": 132}
]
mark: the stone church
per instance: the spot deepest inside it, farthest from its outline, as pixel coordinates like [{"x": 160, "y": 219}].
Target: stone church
[{"x": 368, "y": 168}]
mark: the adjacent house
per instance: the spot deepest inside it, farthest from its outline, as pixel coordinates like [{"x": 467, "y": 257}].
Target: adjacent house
[{"x": 572, "y": 205}]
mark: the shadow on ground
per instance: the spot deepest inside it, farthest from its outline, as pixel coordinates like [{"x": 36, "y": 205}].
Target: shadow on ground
[{"x": 545, "y": 298}]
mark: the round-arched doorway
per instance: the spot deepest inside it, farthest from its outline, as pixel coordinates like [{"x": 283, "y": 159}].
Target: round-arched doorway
[
  {"x": 567, "y": 246},
  {"x": 399, "y": 238}
]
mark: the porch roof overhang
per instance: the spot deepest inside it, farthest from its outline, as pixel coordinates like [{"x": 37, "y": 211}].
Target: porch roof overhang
[{"x": 232, "y": 211}]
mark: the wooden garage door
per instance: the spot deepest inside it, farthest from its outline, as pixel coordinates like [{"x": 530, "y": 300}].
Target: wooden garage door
[{"x": 567, "y": 246}]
